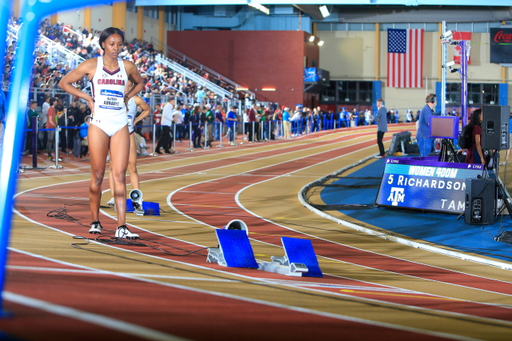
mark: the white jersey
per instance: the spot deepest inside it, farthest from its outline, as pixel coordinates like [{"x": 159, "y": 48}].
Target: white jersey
[
  {"x": 108, "y": 92},
  {"x": 132, "y": 112}
]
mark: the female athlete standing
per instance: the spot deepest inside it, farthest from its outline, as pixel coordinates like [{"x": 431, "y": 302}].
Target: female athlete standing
[{"x": 109, "y": 75}]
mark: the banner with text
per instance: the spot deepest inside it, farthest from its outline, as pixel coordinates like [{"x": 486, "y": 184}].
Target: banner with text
[{"x": 425, "y": 185}]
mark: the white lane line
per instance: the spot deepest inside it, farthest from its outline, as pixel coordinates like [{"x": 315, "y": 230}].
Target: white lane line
[
  {"x": 237, "y": 199},
  {"x": 99, "y": 320},
  {"x": 267, "y": 303},
  {"x": 269, "y": 281},
  {"x": 257, "y": 279},
  {"x": 312, "y": 236},
  {"x": 96, "y": 272}
]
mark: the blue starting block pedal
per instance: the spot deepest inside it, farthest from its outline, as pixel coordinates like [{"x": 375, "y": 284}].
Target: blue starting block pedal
[
  {"x": 150, "y": 208},
  {"x": 299, "y": 259},
  {"x": 234, "y": 250}
]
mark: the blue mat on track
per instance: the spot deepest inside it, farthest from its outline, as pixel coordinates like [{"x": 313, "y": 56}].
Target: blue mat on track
[{"x": 439, "y": 228}]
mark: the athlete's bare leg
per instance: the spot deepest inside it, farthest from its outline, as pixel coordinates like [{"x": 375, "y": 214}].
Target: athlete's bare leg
[
  {"x": 132, "y": 163},
  {"x": 132, "y": 168},
  {"x": 119, "y": 152},
  {"x": 98, "y": 149}
]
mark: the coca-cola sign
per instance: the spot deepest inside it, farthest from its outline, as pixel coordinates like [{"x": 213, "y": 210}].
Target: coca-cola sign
[
  {"x": 501, "y": 45},
  {"x": 502, "y": 37}
]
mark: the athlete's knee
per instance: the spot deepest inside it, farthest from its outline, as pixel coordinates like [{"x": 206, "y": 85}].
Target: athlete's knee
[
  {"x": 132, "y": 169},
  {"x": 119, "y": 177},
  {"x": 97, "y": 178}
]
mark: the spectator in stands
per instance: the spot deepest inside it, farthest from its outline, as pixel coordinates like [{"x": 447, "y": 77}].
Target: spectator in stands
[
  {"x": 314, "y": 120},
  {"x": 361, "y": 118},
  {"x": 251, "y": 120},
  {"x": 32, "y": 113},
  {"x": 157, "y": 118},
  {"x": 200, "y": 95},
  {"x": 195, "y": 118},
  {"x": 74, "y": 120},
  {"x": 354, "y": 116},
  {"x": 219, "y": 122},
  {"x": 185, "y": 111},
  {"x": 84, "y": 142},
  {"x": 267, "y": 113},
  {"x": 286, "y": 123},
  {"x": 61, "y": 121},
  {"x": 209, "y": 125},
  {"x": 231, "y": 120},
  {"x": 368, "y": 117},
  {"x": 295, "y": 120},
  {"x": 408, "y": 117},
  {"x": 177, "y": 118},
  {"x": 165, "y": 139},
  {"x": 43, "y": 135},
  {"x": 277, "y": 118},
  {"x": 51, "y": 123}
]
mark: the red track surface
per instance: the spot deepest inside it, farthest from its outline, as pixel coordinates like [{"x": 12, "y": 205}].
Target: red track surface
[{"x": 192, "y": 314}]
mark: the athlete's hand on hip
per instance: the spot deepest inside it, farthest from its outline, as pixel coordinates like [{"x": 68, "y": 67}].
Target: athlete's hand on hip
[{"x": 90, "y": 103}]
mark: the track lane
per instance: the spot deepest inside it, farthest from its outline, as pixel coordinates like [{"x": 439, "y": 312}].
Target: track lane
[{"x": 209, "y": 209}]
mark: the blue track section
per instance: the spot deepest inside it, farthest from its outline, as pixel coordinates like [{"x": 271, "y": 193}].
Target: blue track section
[{"x": 438, "y": 228}]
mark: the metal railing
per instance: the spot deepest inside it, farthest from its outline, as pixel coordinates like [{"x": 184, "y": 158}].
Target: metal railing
[
  {"x": 191, "y": 62},
  {"x": 58, "y": 53},
  {"x": 187, "y": 73}
]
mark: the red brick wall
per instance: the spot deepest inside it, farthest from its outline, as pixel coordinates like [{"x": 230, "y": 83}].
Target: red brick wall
[{"x": 254, "y": 59}]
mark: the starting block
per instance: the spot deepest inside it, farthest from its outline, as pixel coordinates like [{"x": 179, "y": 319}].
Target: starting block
[
  {"x": 299, "y": 259},
  {"x": 234, "y": 250},
  {"x": 150, "y": 208}
]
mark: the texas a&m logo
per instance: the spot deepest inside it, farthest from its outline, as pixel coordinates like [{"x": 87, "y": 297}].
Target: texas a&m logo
[{"x": 396, "y": 195}]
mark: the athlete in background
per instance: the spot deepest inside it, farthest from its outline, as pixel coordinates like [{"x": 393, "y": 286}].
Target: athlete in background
[{"x": 134, "y": 102}]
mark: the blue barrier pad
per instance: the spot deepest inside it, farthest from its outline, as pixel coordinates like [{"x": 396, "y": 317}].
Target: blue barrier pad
[
  {"x": 129, "y": 205},
  {"x": 150, "y": 208},
  {"x": 301, "y": 251},
  {"x": 236, "y": 248}
]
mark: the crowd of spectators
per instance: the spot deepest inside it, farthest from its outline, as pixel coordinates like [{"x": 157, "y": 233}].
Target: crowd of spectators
[
  {"x": 158, "y": 79},
  {"x": 186, "y": 101}
]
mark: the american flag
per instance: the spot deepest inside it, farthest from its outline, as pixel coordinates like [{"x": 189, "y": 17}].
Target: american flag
[{"x": 405, "y": 58}]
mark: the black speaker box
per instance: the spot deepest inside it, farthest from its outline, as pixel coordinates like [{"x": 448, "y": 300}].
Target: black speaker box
[
  {"x": 480, "y": 195},
  {"x": 495, "y": 127}
]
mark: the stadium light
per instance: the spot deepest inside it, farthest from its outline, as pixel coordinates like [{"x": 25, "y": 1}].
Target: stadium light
[
  {"x": 325, "y": 12},
  {"x": 320, "y": 43},
  {"x": 311, "y": 39},
  {"x": 260, "y": 7}
]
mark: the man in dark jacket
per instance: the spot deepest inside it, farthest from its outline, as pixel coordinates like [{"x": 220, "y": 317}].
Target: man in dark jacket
[{"x": 382, "y": 126}]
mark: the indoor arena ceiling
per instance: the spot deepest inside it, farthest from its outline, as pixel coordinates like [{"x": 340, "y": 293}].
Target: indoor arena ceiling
[
  {"x": 382, "y": 10},
  {"x": 326, "y": 2}
]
